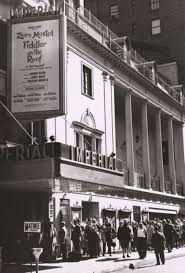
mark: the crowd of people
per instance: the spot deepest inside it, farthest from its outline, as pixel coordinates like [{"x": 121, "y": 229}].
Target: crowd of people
[{"x": 93, "y": 240}]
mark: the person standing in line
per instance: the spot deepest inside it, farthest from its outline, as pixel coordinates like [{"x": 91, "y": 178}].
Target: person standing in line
[
  {"x": 158, "y": 243},
  {"x": 169, "y": 233},
  {"x": 76, "y": 236},
  {"x": 134, "y": 238},
  {"x": 103, "y": 240},
  {"x": 51, "y": 238},
  {"x": 124, "y": 237},
  {"x": 108, "y": 235},
  {"x": 150, "y": 231},
  {"x": 62, "y": 240},
  {"x": 141, "y": 241}
]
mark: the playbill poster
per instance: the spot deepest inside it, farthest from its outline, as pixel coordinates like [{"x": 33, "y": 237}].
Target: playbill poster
[{"x": 35, "y": 66}]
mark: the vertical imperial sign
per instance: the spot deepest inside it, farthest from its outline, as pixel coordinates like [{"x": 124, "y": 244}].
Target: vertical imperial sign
[{"x": 37, "y": 67}]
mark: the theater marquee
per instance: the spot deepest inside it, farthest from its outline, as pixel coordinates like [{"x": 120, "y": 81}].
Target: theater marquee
[{"x": 37, "y": 66}]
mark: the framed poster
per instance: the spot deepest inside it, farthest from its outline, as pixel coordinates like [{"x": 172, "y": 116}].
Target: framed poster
[{"x": 36, "y": 67}]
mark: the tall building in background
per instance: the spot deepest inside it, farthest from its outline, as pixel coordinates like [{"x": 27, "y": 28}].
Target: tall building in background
[{"x": 156, "y": 27}]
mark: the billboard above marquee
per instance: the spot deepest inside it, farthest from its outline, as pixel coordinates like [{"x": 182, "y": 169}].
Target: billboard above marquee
[{"x": 37, "y": 67}]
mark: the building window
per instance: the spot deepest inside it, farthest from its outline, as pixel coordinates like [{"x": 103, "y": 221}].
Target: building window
[
  {"x": 156, "y": 26},
  {"x": 133, "y": 4},
  {"x": 133, "y": 29},
  {"x": 155, "y": 4},
  {"x": 87, "y": 81},
  {"x": 98, "y": 145},
  {"x": 114, "y": 11},
  {"x": 87, "y": 142}
]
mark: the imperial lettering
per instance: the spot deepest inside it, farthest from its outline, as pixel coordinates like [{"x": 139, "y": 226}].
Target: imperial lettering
[{"x": 93, "y": 158}]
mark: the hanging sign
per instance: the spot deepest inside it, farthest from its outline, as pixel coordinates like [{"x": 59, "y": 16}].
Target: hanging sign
[
  {"x": 37, "y": 58},
  {"x": 32, "y": 227}
]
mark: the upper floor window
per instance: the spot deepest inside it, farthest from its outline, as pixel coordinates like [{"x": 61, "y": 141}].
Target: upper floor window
[
  {"x": 156, "y": 26},
  {"x": 155, "y": 4},
  {"x": 87, "y": 142},
  {"x": 133, "y": 28},
  {"x": 133, "y": 3},
  {"x": 114, "y": 11},
  {"x": 87, "y": 81},
  {"x": 86, "y": 134}
]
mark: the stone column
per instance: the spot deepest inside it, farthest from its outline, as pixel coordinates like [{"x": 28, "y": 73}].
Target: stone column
[
  {"x": 105, "y": 117},
  {"x": 160, "y": 170},
  {"x": 146, "y": 153},
  {"x": 171, "y": 156},
  {"x": 181, "y": 161},
  {"x": 113, "y": 115},
  {"x": 129, "y": 139}
]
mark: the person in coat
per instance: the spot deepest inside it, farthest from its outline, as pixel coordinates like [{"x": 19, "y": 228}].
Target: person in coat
[
  {"x": 76, "y": 236},
  {"x": 62, "y": 240},
  {"x": 169, "y": 233},
  {"x": 109, "y": 234},
  {"x": 158, "y": 244},
  {"x": 124, "y": 236}
]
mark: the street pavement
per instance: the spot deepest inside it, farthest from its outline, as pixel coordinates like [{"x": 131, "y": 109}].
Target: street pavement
[{"x": 105, "y": 264}]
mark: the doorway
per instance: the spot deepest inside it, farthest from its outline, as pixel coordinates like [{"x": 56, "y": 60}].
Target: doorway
[{"x": 90, "y": 210}]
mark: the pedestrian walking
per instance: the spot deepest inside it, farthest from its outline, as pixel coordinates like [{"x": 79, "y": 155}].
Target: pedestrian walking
[
  {"x": 158, "y": 244},
  {"x": 141, "y": 241}
]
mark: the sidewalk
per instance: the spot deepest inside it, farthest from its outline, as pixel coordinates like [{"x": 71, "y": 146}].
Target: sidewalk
[{"x": 99, "y": 265}]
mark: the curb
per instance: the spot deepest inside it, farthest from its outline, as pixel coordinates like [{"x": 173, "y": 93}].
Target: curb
[{"x": 142, "y": 263}]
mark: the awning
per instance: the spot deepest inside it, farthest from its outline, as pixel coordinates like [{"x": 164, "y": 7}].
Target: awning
[
  {"x": 109, "y": 209},
  {"x": 124, "y": 210},
  {"x": 164, "y": 211}
]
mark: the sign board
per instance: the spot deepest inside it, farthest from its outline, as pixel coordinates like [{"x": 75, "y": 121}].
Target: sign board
[
  {"x": 37, "y": 66},
  {"x": 32, "y": 227}
]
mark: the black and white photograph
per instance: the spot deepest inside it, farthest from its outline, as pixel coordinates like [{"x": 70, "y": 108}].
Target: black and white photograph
[{"x": 92, "y": 136}]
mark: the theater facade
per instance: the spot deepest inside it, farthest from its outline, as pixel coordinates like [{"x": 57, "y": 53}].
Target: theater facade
[{"x": 115, "y": 146}]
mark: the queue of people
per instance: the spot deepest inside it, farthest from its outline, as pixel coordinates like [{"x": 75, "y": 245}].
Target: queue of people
[{"x": 94, "y": 240}]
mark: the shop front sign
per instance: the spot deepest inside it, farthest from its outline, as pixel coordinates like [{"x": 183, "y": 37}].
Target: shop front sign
[
  {"x": 34, "y": 227},
  {"x": 93, "y": 158},
  {"x": 60, "y": 150}
]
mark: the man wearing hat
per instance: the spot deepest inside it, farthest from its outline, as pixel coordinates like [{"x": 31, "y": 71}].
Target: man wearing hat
[{"x": 158, "y": 241}]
